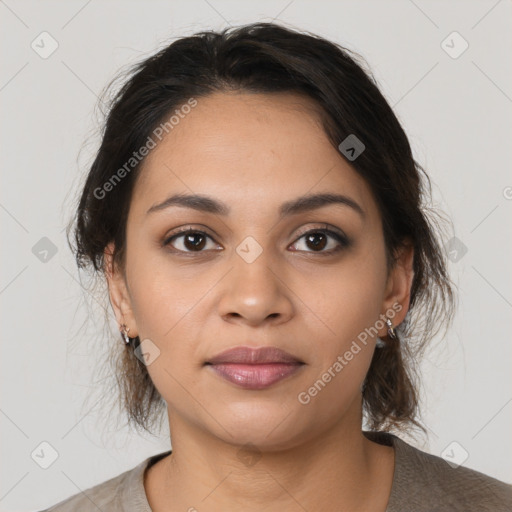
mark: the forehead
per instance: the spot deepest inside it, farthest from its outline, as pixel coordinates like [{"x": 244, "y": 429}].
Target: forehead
[{"x": 249, "y": 150}]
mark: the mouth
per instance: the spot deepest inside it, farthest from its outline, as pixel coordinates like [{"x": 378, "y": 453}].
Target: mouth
[
  {"x": 254, "y": 368},
  {"x": 248, "y": 355}
]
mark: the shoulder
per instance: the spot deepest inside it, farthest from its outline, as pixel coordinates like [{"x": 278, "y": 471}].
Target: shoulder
[
  {"x": 426, "y": 482},
  {"x": 117, "y": 494},
  {"x": 104, "y": 496}
]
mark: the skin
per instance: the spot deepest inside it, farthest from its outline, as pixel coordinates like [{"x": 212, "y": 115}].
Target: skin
[{"x": 253, "y": 152}]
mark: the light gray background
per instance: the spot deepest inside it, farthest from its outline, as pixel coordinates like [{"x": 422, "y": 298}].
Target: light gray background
[{"x": 457, "y": 113}]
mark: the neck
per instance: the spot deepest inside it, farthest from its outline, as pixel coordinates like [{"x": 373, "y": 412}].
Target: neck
[{"x": 340, "y": 466}]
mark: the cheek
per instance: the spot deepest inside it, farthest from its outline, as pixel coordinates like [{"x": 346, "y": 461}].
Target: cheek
[
  {"x": 347, "y": 300},
  {"x": 169, "y": 304},
  {"x": 160, "y": 294},
  {"x": 348, "y": 308},
  {"x": 165, "y": 308}
]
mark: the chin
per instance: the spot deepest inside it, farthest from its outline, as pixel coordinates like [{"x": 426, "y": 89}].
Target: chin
[{"x": 267, "y": 426}]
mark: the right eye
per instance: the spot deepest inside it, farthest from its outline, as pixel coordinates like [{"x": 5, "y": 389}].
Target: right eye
[{"x": 190, "y": 240}]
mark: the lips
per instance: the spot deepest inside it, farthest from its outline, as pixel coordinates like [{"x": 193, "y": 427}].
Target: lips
[
  {"x": 254, "y": 368},
  {"x": 248, "y": 355}
]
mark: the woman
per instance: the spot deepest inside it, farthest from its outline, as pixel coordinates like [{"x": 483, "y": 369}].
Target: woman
[{"x": 259, "y": 218}]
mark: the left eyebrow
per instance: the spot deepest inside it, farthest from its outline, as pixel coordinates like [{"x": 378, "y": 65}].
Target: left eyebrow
[
  {"x": 315, "y": 201},
  {"x": 299, "y": 205}
]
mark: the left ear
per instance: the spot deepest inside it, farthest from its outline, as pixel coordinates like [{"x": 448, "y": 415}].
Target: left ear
[{"x": 398, "y": 289}]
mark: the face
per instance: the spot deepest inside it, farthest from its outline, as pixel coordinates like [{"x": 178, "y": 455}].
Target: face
[{"x": 307, "y": 281}]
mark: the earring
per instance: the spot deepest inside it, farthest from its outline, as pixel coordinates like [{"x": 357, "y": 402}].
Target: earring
[
  {"x": 391, "y": 329},
  {"x": 124, "y": 333}
]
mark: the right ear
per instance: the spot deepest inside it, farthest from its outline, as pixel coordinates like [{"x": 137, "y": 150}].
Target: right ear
[{"x": 118, "y": 292}]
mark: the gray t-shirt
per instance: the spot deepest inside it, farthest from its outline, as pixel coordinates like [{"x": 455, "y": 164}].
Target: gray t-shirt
[{"x": 421, "y": 483}]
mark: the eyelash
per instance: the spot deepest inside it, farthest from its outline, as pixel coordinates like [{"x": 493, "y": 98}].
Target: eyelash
[{"x": 343, "y": 241}]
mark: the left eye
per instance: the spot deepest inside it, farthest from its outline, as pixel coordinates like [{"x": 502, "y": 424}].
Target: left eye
[{"x": 318, "y": 239}]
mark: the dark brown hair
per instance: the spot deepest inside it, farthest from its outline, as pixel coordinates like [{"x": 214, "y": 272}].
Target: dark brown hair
[{"x": 271, "y": 58}]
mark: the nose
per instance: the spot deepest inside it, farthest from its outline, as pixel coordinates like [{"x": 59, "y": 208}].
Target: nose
[{"x": 255, "y": 294}]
